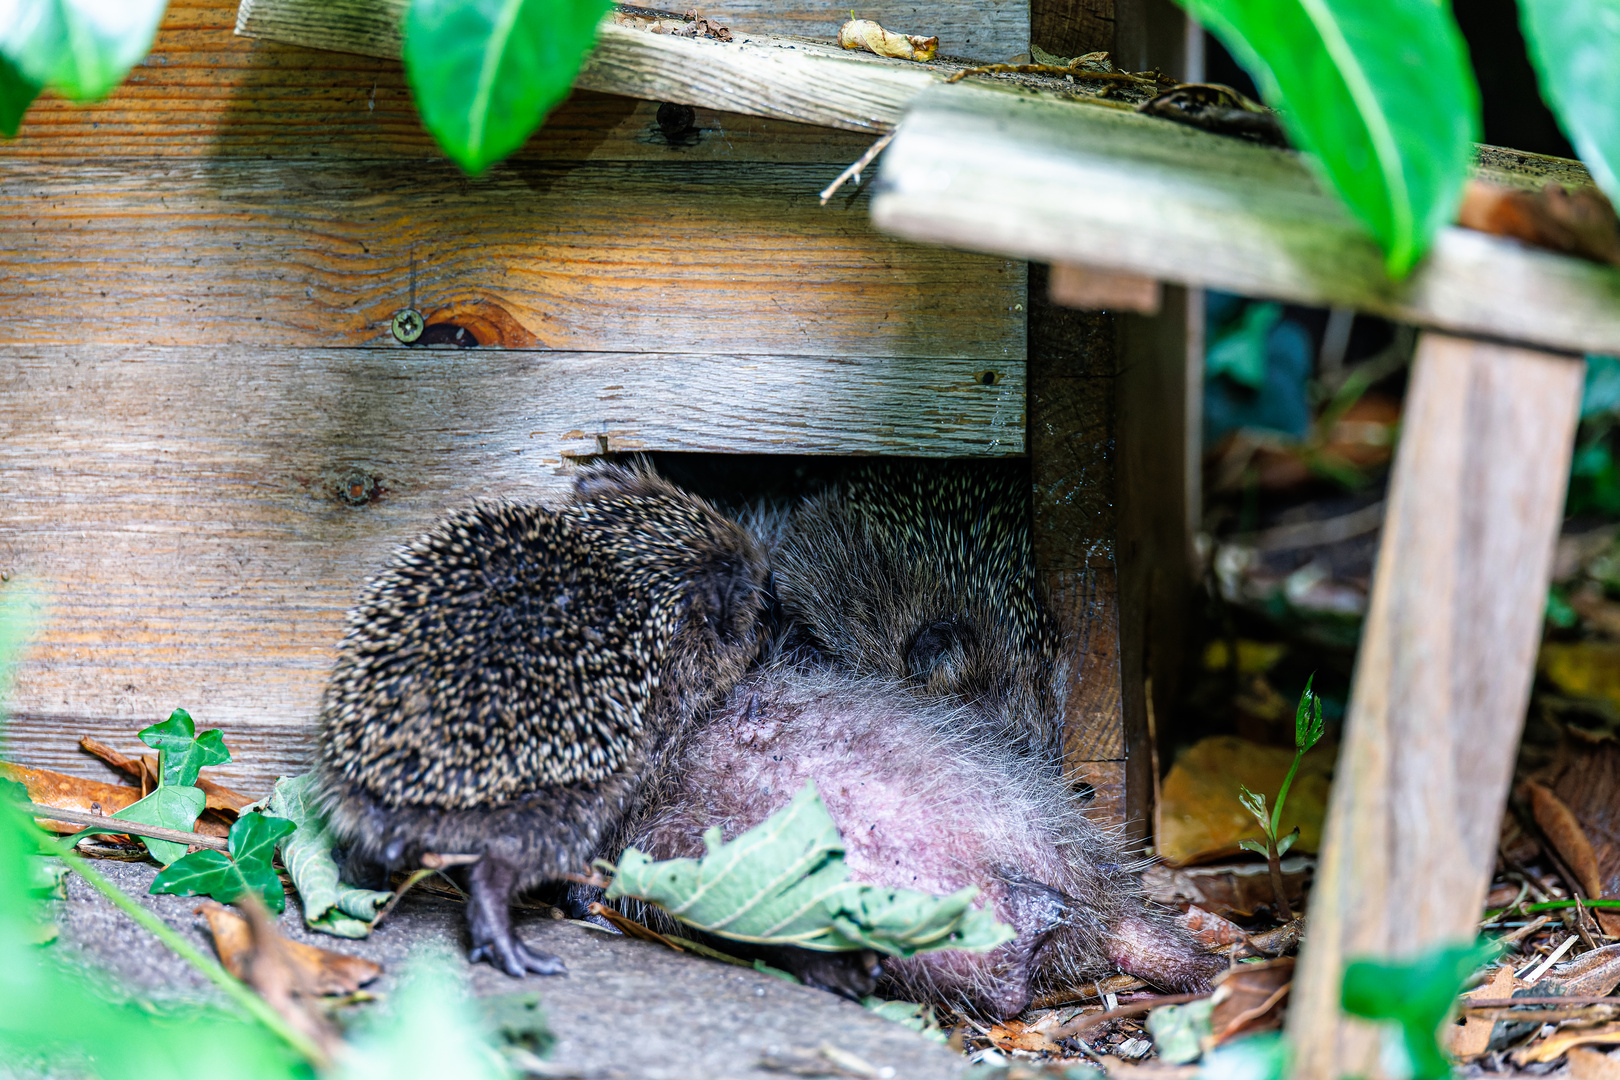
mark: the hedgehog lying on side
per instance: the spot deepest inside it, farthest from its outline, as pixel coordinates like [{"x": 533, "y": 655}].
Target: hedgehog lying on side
[
  {"x": 512, "y": 679},
  {"x": 924, "y": 802},
  {"x": 923, "y": 701}
]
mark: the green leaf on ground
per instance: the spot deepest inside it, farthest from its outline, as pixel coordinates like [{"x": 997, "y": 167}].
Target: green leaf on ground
[
  {"x": 168, "y": 807},
  {"x": 486, "y": 72},
  {"x": 17, "y": 92},
  {"x": 1575, "y": 47},
  {"x": 784, "y": 882},
  {"x": 1181, "y": 1031},
  {"x": 182, "y": 753},
  {"x": 428, "y": 1030},
  {"x": 227, "y": 877},
  {"x": 329, "y": 905},
  {"x": 1417, "y": 996},
  {"x": 919, "y": 1018},
  {"x": 81, "y": 48},
  {"x": 1257, "y": 1057},
  {"x": 1380, "y": 95}
]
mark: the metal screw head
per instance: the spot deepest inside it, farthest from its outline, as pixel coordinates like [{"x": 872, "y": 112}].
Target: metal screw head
[{"x": 407, "y": 325}]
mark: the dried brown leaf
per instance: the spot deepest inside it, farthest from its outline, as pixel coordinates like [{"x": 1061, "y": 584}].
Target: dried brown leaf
[
  {"x": 1238, "y": 889},
  {"x": 1472, "y": 1037},
  {"x": 1587, "y": 1064},
  {"x": 70, "y": 793},
  {"x": 1579, "y": 222},
  {"x": 1249, "y": 998},
  {"x": 868, "y": 35},
  {"x": 1563, "y": 830},
  {"x": 1560, "y": 1042},
  {"x": 316, "y": 971}
]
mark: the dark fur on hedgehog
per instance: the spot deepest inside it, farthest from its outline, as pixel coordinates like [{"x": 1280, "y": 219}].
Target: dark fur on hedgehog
[
  {"x": 926, "y": 799},
  {"x": 511, "y": 680},
  {"x": 925, "y": 574}
]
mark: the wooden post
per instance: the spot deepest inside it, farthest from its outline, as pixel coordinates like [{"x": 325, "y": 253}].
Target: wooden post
[{"x": 1443, "y": 677}]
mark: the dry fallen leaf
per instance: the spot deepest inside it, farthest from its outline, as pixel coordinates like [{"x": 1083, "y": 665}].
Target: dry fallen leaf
[
  {"x": 1200, "y": 816},
  {"x": 1583, "y": 669},
  {"x": 1564, "y": 832},
  {"x": 1210, "y": 930},
  {"x": 1249, "y": 998},
  {"x": 1238, "y": 889},
  {"x": 1041, "y": 1035},
  {"x": 1559, "y": 1042},
  {"x": 70, "y": 793},
  {"x": 317, "y": 971},
  {"x": 1592, "y": 974},
  {"x": 1472, "y": 1037},
  {"x": 144, "y": 769},
  {"x": 1585, "y": 1064},
  {"x": 1579, "y": 222},
  {"x": 868, "y": 35}
]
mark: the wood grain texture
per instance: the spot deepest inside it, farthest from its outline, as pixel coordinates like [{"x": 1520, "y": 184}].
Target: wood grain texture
[
  {"x": 1443, "y": 676},
  {"x": 203, "y": 91},
  {"x": 1072, "y": 27},
  {"x": 762, "y": 75},
  {"x": 1086, "y": 604},
  {"x": 989, "y": 170},
  {"x": 202, "y": 518},
  {"x": 983, "y": 30},
  {"x": 633, "y": 257}
]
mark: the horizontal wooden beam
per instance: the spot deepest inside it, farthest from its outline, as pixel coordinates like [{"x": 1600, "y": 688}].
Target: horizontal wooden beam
[
  {"x": 200, "y": 519},
  {"x": 653, "y": 256},
  {"x": 759, "y": 74},
  {"x": 991, "y": 170}
]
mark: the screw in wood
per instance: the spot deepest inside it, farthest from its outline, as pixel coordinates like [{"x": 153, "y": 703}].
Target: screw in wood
[{"x": 407, "y": 325}]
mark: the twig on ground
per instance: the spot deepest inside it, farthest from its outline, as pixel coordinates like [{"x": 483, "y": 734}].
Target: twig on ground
[
  {"x": 1135, "y": 1008},
  {"x": 399, "y": 894},
  {"x": 119, "y": 825}
]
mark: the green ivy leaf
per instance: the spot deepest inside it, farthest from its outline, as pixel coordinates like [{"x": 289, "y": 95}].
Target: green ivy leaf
[
  {"x": 1575, "y": 47},
  {"x": 81, "y": 48},
  {"x": 329, "y": 906},
  {"x": 182, "y": 753},
  {"x": 17, "y": 92},
  {"x": 784, "y": 882},
  {"x": 227, "y": 877},
  {"x": 486, "y": 72},
  {"x": 1379, "y": 93},
  {"x": 168, "y": 807},
  {"x": 1418, "y": 996}
]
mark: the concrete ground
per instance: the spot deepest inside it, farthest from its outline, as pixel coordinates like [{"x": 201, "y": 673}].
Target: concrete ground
[{"x": 626, "y": 1010}]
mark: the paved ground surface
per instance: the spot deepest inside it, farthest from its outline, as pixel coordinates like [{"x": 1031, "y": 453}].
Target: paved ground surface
[{"x": 626, "y": 1009}]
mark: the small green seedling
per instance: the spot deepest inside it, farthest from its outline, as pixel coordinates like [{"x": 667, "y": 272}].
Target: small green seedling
[
  {"x": 1417, "y": 997},
  {"x": 1308, "y": 728}
]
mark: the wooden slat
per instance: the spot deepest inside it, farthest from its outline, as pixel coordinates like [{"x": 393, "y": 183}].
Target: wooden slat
[
  {"x": 635, "y": 257},
  {"x": 1442, "y": 679},
  {"x": 201, "y": 518},
  {"x": 762, "y": 75},
  {"x": 989, "y": 170}
]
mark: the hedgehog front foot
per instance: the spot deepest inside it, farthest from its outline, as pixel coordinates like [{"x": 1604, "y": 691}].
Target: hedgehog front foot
[{"x": 490, "y": 886}]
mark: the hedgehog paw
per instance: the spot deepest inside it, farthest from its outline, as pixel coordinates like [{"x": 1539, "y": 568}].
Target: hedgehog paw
[
  {"x": 490, "y": 886},
  {"x": 516, "y": 959}
]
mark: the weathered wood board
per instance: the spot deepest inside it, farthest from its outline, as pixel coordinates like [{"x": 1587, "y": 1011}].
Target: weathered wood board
[
  {"x": 988, "y": 169},
  {"x": 208, "y": 436},
  {"x": 1443, "y": 677}
]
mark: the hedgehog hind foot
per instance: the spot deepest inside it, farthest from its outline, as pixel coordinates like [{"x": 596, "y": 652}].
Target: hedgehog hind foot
[{"x": 490, "y": 885}]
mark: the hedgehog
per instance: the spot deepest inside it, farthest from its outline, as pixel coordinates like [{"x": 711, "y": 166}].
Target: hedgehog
[
  {"x": 917, "y": 679},
  {"x": 517, "y": 679},
  {"x": 924, "y": 573},
  {"x": 925, "y": 798}
]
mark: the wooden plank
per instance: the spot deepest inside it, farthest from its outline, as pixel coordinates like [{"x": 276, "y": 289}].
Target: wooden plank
[
  {"x": 1072, "y": 27},
  {"x": 763, "y": 75},
  {"x": 634, "y": 257},
  {"x": 989, "y": 170},
  {"x": 1443, "y": 676},
  {"x": 983, "y": 30},
  {"x": 202, "y": 518}
]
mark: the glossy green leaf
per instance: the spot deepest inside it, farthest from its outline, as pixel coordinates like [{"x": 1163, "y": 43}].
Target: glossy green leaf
[
  {"x": 17, "y": 92},
  {"x": 80, "y": 48},
  {"x": 1181, "y": 1031},
  {"x": 1379, "y": 94},
  {"x": 182, "y": 753},
  {"x": 784, "y": 882},
  {"x": 226, "y": 877},
  {"x": 329, "y": 906},
  {"x": 486, "y": 72},
  {"x": 1418, "y": 996},
  {"x": 1308, "y": 722},
  {"x": 1575, "y": 47},
  {"x": 168, "y": 807}
]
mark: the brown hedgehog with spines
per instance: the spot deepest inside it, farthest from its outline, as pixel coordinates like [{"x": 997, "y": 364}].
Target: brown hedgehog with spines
[{"x": 515, "y": 681}]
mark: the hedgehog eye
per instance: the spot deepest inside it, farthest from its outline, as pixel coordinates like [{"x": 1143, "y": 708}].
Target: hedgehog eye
[{"x": 934, "y": 645}]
